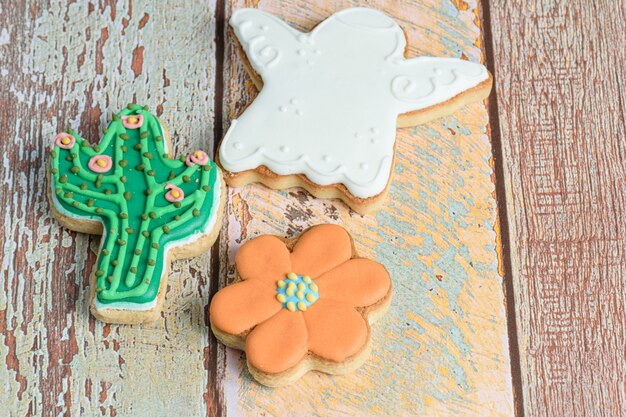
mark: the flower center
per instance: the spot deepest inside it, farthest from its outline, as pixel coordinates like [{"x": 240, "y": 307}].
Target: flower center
[
  {"x": 296, "y": 292},
  {"x": 65, "y": 141},
  {"x": 101, "y": 162},
  {"x": 132, "y": 120}
]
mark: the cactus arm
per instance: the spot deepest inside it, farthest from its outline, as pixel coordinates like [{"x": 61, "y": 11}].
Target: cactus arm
[
  {"x": 159, "y": 146},
  {"x": 99, "y": 212}
]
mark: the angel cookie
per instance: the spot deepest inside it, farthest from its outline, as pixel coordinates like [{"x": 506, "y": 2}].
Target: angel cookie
[
  {"x": 330, "y": 101},
  {"x": 149, "y": 208},
  {"x": 303, "y": 307}
]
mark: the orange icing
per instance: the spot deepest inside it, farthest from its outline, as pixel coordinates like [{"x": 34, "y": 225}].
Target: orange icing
[
  {"x": 230, "y": 317},
  {"x": 264, "y": 258},
  {"x": 331, "y": 327},
  {"x": 278, "y": 344},
  {"x": 320, "y": 249},
  {"x": 358, "y": 282},
  {"x": 336, "y": 330}
]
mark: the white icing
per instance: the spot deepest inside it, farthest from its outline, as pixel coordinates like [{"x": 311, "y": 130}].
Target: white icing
[
  {"x": 125, "y": 305},
  {"x": 331, "y": 97}
]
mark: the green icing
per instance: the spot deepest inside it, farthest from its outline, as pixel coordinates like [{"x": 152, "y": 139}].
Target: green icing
[{"x": 130, "y": 201}]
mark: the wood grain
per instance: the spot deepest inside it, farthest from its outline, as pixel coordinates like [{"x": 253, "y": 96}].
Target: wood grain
[
  {"x": 560, "y": 82},
  {"x": 443, "y": 348},
  {"x": 71, "y": 64}
]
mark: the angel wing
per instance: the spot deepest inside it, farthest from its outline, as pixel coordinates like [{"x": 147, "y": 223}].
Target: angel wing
[
  {"x": 265, "y": 39},
  {"x": 423, "y": 82},
  {"x": 270, "y": 44}
]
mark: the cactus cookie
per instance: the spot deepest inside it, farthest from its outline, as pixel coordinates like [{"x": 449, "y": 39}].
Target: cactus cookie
[{"x": 149, "y": 208}]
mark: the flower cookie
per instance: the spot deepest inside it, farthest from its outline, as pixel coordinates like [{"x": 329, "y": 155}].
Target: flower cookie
[
  {"x": 149, "y": 208},
  {"x": 304, "y": 309},
  {"x": 331, "y": 99}
]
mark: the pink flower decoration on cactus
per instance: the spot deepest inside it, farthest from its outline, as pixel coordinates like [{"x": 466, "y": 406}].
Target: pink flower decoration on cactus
[
  {"x": 100, "y": 163},
  {"x": 197, "y": 157},
  {"x": 175, "y": 194},
  {"x": 64, "y": 140},
  {"x": 133, "y": 121}
]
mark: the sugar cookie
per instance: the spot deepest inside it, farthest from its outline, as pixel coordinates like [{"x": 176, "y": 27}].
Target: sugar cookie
[
  {"x": 150, "y": 209},
  {"x": 330, "y": 101},
  {"x": 304, "y": 309}
]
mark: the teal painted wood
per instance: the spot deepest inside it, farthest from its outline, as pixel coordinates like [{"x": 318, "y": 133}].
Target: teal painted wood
[{"x": 72, "y": 64}]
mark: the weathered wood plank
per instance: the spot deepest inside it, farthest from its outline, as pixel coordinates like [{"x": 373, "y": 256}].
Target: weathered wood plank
[
  {"x": 560, "y": 88},
  {"x": 443, "y": 348},
  {"x": 71, "y": 65}
]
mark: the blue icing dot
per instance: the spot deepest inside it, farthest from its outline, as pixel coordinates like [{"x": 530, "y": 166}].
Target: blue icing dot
[{"x": 294, "y": 298}]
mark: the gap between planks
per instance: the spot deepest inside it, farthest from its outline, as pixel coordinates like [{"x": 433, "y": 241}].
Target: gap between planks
[
  {"x": 504, "y": 255},
  {"x": 214, "y": 394}
]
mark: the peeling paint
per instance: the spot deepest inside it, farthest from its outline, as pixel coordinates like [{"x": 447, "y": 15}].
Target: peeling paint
[
  {"x": 5, "y": 38},
  {"x": 72, "y": 65}
]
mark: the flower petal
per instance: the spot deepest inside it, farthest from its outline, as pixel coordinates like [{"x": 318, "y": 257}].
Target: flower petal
[
  {"x": 241, "y": 306},
  {"x": 358, "y": 282},
  {"x": 320, "y": 249},
  {"x": 336, "y": 330},
  {"x": 278, "y": 343},
  {"x": 264, "y": 258}
]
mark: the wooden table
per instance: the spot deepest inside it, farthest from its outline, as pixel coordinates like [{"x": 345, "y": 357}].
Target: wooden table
[{"x": 514, "y": 308}]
